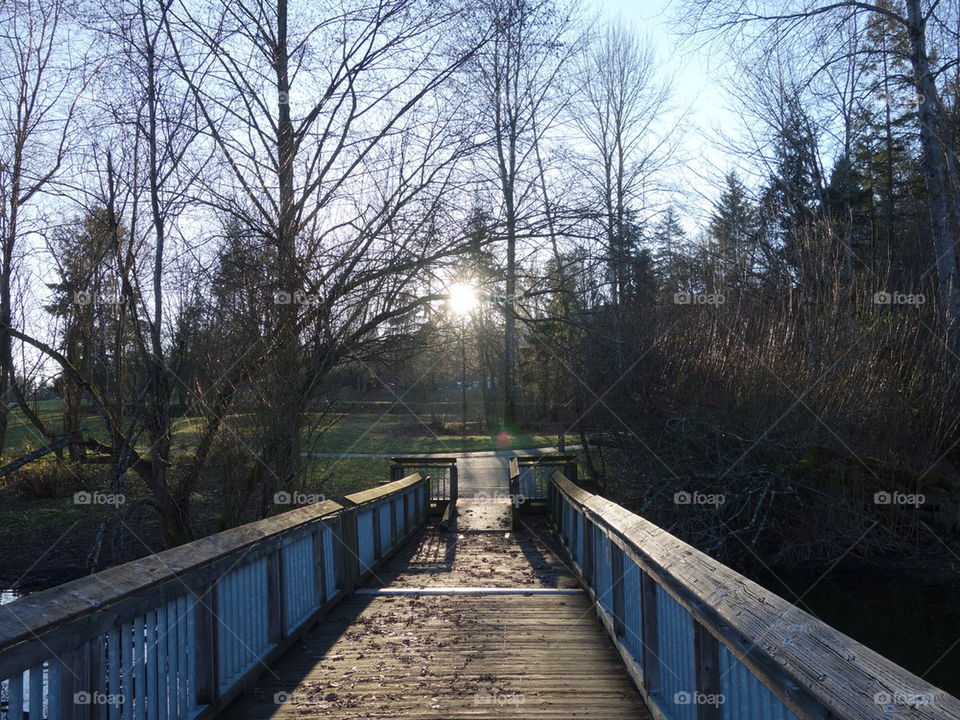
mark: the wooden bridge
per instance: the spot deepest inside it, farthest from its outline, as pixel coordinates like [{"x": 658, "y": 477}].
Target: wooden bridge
[{"x": 536, "y": 599}]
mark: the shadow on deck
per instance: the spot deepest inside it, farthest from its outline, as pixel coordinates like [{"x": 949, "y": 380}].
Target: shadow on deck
[{"x": 450, "y": 654}]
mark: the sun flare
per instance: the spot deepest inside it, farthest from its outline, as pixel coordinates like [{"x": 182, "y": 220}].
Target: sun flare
[{"x": 462, "y": 299}]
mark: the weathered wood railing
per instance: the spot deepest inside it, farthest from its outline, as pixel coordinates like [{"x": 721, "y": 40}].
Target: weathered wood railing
[
  {"x": 179, "y": 634},
  {"x": 536, "y": 470},
  {"x": 703, "y": 642},
  {"x": 529, "y": 480},
  {"x": 442, "y": 472}
]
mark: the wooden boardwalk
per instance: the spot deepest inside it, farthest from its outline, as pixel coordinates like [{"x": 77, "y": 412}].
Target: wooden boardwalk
[
  {"x": 281, "y": 619},
  {"x": 447, "y": 654}
]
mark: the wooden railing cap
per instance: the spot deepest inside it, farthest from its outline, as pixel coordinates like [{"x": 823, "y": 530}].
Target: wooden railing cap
[
  {"x": 40, "y": 612},
  {"x": 784, "y": 646},
  {"x": 423, "y": 460}
]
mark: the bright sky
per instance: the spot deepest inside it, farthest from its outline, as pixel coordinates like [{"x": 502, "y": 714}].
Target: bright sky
[{"x": 697, "y": 88}]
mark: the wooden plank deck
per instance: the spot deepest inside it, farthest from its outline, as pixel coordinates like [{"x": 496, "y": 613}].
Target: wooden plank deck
[{"x": 446, "y": 656}]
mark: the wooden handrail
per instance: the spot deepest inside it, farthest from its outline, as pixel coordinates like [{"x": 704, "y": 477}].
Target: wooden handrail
[
  {"x": 546, "y": 459},
  {"x": 423, "y": 460},
  {"x": 71, "y": 625},
  {"x": 514, "y": 471},
  {"x": 815, "y": 670}
]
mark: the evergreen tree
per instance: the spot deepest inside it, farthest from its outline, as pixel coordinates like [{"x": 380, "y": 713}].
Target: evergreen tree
[{"x": 733, "y": 234}]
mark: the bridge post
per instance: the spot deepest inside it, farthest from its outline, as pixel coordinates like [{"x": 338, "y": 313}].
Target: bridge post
[
  {"x": 616, "y": 563},
  {"x": 275, "y": 596},
  {"x": 349, "y": 550},
  {"x": 454, "y": 483},
  {"x": 707, "y": 655},
  {"x": 588, "y": 541},
  {"x": 77, "y": 676},
  {"x": 394, "y": 533},
  {"x": 377, "y": 540},
  {"x": 514, "y": 493},
  {"x": 207, "y": 659},
  {"x": 651, "y": 641},
  {"x": 320, "y": 566}
]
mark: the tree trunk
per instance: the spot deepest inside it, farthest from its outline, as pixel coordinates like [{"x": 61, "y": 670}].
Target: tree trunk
[{"x": 936, "y": 170}]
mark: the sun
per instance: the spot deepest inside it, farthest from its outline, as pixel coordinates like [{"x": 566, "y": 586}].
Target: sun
[{"x": 462, "y": 299}]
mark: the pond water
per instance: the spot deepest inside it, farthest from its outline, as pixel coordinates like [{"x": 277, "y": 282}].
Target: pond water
[{"x": 912, "y": 621}]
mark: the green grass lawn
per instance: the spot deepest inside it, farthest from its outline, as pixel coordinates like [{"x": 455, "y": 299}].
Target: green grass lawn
[
  {"x": 404, "y": 433},
  {"x": 401, "y": 432},
  {"x": 31, "y": 514},
  {"x": 382, "y": 428}
]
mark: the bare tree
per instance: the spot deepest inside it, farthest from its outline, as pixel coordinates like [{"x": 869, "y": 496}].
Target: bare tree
[
  {"x": 520, "y": 94},
  {"x": 37, "y": 103},
  {"x": 331, "y": 150},
  {"x": 618, "y": 110}
]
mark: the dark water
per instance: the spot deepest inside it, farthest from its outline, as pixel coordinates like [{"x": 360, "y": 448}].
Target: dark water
[{"x": 912, "y": 621}]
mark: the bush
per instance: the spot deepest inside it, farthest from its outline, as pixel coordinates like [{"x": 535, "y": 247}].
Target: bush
[{"x": 46, "y": 479}]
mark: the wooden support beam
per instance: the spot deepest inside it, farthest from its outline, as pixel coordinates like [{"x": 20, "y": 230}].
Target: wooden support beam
[
  {"x": 277, "y": 621},
  {"x": 707, "y": 657},
  {"x": 651, "y": 638},
  {"x": 514, "y": 493},
  {"x": 616, "y": 563},
  {"x": 207, "y": 650}
]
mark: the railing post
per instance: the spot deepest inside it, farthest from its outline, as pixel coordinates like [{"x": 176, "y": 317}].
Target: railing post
[
  {"x": 552, "y": 513},
  {"x": 570, "y": 470},
  {"x": 454, "y": 483},
  {"x": 320, "y": 566},
  {"x": 651, "y": 640},
  {"x": 394, "y": 532},
  {"x": 207, "y": 658},
  {"x": 514, "y": 493},
  {"x": 377, "y": 541},
  {"x": 277, "y": 623},
  {"x": 707, "y": 656},
  {"x": 574, "y": 531},
  {"x": 349, "y": 550},
  {"x": 616, "y": 567},
  {"x": 425, "y": 505},
  {"x": 77, "y": 679},
  {"x": 588, "y": 542}
]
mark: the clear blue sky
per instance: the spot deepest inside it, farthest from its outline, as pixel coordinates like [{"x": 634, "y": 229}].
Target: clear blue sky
[{"x": 697, "y": 88}]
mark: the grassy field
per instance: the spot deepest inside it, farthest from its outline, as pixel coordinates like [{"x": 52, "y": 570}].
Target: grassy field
[
  {"x": 380, "y": 431},
  {"x": 380, "y": 427},
  {"x": 36, "y": 503},
  {"x": 403, "y": 433}
]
